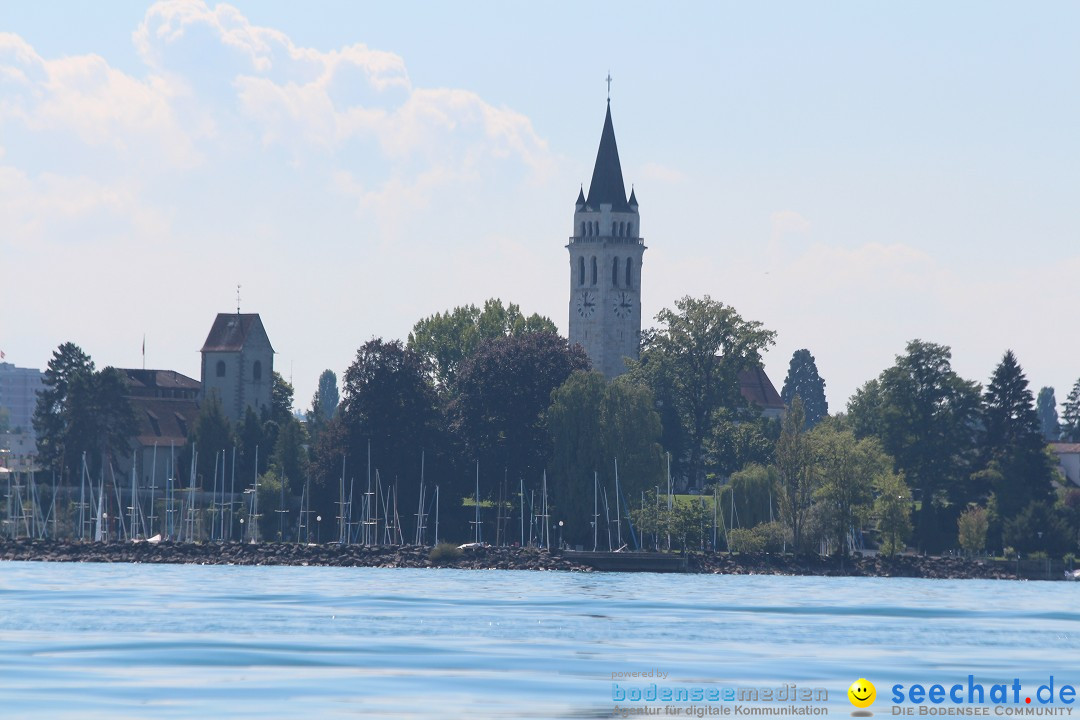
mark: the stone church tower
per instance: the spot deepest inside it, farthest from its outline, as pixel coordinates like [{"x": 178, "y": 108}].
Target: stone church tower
[
  {"x": 605, "y": 264},
  {"x": 238, "y": 364}
]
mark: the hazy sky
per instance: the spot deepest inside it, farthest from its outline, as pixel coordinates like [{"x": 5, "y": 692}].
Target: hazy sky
[{"x": 853, "y": 175}]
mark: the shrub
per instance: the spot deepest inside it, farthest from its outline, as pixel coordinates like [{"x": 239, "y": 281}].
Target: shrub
[
  {"x": 972, "y": 526},
  {"x": 444, "y": 552}
]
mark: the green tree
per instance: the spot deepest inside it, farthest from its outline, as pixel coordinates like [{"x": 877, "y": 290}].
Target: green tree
[
  {"x": 323, "y": 404},
  {"x": 1070, "y": 416},
  {"x": 446, "y": 340},
  {"x": 692, "y": 364},
  {"x": 1039, "y": 528},
  {"x": 893, "y": 510},
  {"x": 971, "y": 529},
  {"x": 388, "y": 403},
  {"x": 738, "y": 441},
  {"x": 289, "y": 459},
  {"x": 51, "y": 416},
  {"x": 591, "y": 424},
  {"x": 795, "y": 465},
  {"x": 803, "y": 380},
  {"x": 504, "y": 391},
  {"x": 99, "y": 417},
  {"x": 1046, "y": 407},
  {"x": 281, "y": 399},
  {"x": 750, "y": 497},
  {"x": 253, "y": 444},
  {"x": 847, "y": 468},
  {"x": 1014, "y": 440},
  {"x": 273, "y": 488},
  {"x": 209, "y": 437},
  {"x": 687, "y": 521},
  {"x": 926, "y": 418}
]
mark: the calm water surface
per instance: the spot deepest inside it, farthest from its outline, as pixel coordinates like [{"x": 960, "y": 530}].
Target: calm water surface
[{"x": 160, "y": 641}]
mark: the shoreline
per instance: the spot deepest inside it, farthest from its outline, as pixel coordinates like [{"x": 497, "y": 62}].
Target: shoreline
[{"x": 494, "y": 558}]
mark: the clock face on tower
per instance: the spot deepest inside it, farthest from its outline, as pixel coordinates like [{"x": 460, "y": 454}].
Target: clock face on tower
[
  {"x": 624, "y": 304},
  {"x": 586, "y": 303}
]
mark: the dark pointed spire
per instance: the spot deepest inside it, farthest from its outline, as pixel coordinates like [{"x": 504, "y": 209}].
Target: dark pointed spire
[
  {"x": 580, "y": 198},
  {"x": 633, "y": 198},
  {"x": 607, "y": 182}
]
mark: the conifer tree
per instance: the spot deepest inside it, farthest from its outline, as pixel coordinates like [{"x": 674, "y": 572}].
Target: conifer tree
[
  {"x": 803, "y": 380},
  {"x": 1046, "y": 407},
  {"x": 1014, "y": 439}
]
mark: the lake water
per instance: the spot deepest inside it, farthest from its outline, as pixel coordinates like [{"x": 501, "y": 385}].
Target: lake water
[{"x": 162, "y": 641}]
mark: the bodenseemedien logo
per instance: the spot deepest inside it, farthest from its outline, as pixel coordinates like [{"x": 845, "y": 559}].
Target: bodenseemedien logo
[{"x": 862, "y": 694}]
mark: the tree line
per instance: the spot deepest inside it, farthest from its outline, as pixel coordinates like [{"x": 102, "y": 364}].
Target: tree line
[{"x": 492, "y": 405}]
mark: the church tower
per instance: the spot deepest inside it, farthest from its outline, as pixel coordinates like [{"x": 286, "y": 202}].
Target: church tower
[{"x": 605, "y": 264}]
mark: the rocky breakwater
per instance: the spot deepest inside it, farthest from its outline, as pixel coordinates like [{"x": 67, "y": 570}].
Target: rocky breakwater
[
  {"x": 331, "y": 555},
  {"x": 914, "y": 566}
]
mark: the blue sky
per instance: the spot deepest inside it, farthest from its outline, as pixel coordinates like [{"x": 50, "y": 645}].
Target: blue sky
[{"x": 853, "y": 175}]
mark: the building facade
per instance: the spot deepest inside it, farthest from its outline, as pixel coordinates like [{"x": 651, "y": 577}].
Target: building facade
[
  {"x": 606, "y": 250},
  {"x": 19, "y": 388}
]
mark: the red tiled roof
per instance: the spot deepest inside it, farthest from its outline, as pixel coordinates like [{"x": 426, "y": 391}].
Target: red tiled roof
[
  {"x": 758, "y": 389},
  {"x": 1065, "y": 448}
]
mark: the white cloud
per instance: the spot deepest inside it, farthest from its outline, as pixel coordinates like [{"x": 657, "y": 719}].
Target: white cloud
[
  {"x": 102, "y": 106},
  {"x": 788, "y": 222}
]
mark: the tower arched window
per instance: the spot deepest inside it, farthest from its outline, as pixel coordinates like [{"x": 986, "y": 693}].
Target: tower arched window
[
  {"x": 583, "y": 228},
  {"x": 614, "y": 229},
  {"x": 220, "y": 368},
  {"x": 629, "y": 272},
  {"x": 630, "y": 229},
  {"x": 256, "y": 371},
  {"x": 615, "y": 272},
  {"x": 596, "y": 227},
  {"x": 594, "y": 270},
  {"x": 581, "y": 270}
]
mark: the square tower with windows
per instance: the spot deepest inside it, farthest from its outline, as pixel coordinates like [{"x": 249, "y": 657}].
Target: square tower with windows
[{"x": 238, "y": 364}]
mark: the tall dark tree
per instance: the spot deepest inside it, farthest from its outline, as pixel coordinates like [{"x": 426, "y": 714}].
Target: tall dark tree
[
  {"x": 1014, "y": 440},
  {"x": 289, "y": 459},
  {"x": 281, "y": 399},
  {"x": 252, "y": 444},
  {"x": 926, "y": 417},
  {"x": 692, "y": 364},
  {"x": 210, "y": 436},
  {"x": 99, "y": 417},
  {"x": 388, "y": 401},
  {"x": 324, "y": 404},
  {"x": 803, "y": 380},
  {"x": 1070, "y": 416},
  {"x": 446, "y": 340},
  {"x": 503, "y": 392},
  {"x": 1046, "y": 408},
  {"x": 51, "y": 414},
  {"x": 797, "y": 476}
]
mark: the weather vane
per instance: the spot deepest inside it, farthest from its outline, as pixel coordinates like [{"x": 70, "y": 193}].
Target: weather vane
[
  {"x": 237, "y": 298},
  {"x": 609, "y": 86}
]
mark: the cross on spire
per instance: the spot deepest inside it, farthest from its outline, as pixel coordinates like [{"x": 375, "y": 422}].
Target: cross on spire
[{"x": 609, "y": 86}]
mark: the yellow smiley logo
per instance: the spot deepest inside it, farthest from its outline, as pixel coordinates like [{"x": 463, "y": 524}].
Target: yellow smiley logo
[{"x": 862, "y": 693}]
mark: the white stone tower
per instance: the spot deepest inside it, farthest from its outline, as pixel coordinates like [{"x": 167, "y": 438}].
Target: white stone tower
[{"x": 605, "y": 264}]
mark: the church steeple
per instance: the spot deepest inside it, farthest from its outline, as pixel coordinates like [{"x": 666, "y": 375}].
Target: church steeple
[
  {"x": 605, "y": 264},
  {"x": 607, "y": 186}
]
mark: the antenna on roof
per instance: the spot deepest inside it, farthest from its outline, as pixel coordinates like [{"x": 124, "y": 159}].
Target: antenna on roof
[
  {"x": 609, "y": 87},
  {"x": 237, "y": 298}
]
